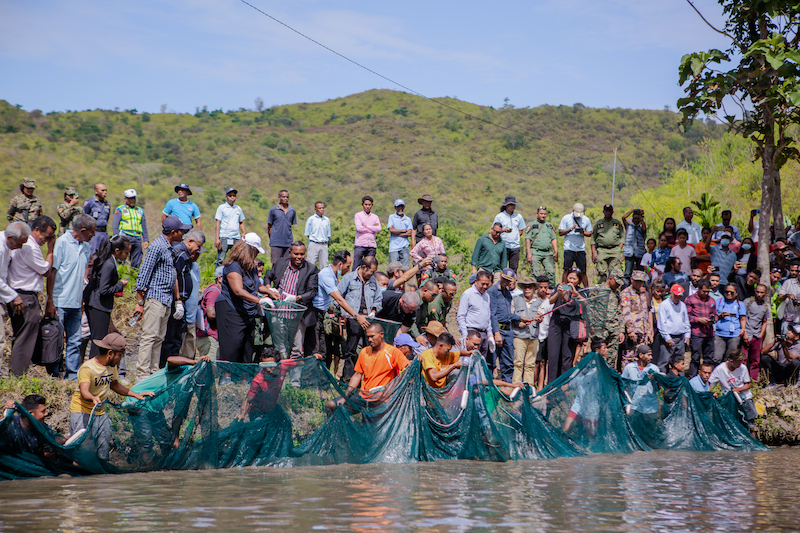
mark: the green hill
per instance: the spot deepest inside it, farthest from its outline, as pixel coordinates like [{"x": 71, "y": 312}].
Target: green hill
[{"x": 384, "y": 143}]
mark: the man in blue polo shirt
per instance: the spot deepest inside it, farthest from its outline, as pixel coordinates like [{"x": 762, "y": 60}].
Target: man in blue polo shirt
[
  {"x": 400, "y": 229},
  {"x": 99, "y": 209},
  {"x": 183, "y": 208},
  {"x": 229, "y": 225}
]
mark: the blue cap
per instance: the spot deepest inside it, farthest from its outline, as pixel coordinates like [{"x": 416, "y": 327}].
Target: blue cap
[
  {"x": 404, "y": 339},
  {"x": 399, "y": 201},
  {"x": 172, "y": 223},
  {"x": 508, "y": 274},
  {"x": 472, "y": 278}
]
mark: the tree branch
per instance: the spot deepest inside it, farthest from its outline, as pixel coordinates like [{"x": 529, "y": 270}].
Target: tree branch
[{"x": 726, "y": 34}]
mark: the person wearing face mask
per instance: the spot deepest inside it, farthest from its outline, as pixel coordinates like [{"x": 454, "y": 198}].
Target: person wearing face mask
[
  {"x": 746, "y": 259},
  {"x": 723, "y": 258}
]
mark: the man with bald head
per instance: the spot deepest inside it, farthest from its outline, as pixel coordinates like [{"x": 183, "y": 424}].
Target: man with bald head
[{"x": 99, "y": 209}]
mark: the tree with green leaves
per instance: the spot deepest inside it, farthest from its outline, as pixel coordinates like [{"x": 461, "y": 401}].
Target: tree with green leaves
[{"x": 754, "y": 88}]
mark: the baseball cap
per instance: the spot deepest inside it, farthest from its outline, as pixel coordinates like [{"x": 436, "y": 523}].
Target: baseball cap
[
  {"x": 638, "y": 275},
  {"x": 72, "y": 191},
  {"x": 183, "y": 186},
  {"x": 173, "y": 223},
  {"x": 676, "y": 289},
  {"x": 578, "y": 208},
  {"x": 129, "y": 193},
  {"x": 404, "y": 339},
  {"x": 779, "y": 245},
  {"x": 112, "y": 341},
  {"x": 608, "y": 207},
  {"x": 643, "y": 348},
  {"x": 399, "y": 201},
  {"x": 394, "y": 266},
  {"x": 508, "y": 274},
  {"x": 230, "y": 190},
  {"x": 795, "y": 328},
  {"x": 619, "y": 276},
  {"x": 253, "y": 240}
]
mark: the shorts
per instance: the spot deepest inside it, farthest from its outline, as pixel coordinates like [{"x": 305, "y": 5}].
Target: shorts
[{"x": 575, "y": 258}]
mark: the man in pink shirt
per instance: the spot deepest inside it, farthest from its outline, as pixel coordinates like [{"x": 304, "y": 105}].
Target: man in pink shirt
[{"x": 367, "y": 225}]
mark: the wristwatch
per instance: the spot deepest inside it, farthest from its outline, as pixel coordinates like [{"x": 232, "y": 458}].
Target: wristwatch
[{"x": 140, "y": 302}]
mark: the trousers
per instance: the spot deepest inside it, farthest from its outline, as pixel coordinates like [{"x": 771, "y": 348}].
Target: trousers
[
  {"x": 25, "y": 326},
  {"x": 317, "y": 254}
]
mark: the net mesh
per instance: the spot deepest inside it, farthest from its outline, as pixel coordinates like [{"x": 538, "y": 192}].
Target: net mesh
[
  {"x": 595, "y": 309},
  {"x": 220, "y": 415},
  {"x": 283, "y": 320}
]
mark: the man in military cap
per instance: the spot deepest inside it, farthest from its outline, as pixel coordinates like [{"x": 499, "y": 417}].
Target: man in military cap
[
  {"x": 607, "y": 241},
  {"x": 68, "y": 210},
  {"x": 99, "y": 209},
  {"x": 129, "y": 220},
  {"x": 635, "y": 304},
  {"x": 25, "y": 207},
  {"x": 541, "y": 246},
  {"x": 612, "y": 326}
]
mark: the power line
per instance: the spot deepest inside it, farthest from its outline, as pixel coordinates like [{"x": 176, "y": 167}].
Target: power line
[{"x": 442, "y": 103}]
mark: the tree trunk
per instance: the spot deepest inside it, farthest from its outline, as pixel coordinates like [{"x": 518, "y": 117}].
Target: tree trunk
[
  {"x": 777, "y": 208},
  {"x": 767, "y": 198}
]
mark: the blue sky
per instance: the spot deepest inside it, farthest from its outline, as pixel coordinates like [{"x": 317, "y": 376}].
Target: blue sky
[{"x": 84, "y": 54}]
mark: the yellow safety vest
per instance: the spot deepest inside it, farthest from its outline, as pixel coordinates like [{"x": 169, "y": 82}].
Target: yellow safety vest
[{"x": 130, "y": 221}]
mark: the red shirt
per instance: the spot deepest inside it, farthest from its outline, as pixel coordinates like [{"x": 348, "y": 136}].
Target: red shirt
[{"x": 208, "y": 299}]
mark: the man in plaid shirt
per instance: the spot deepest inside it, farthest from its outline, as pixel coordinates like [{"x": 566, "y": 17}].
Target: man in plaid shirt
[
  {"x": 702, "y": 310},
  {"x": 156, "y": 287}
]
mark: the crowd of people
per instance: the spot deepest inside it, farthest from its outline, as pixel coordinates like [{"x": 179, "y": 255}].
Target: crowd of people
[{"x": 692, "y": 289}]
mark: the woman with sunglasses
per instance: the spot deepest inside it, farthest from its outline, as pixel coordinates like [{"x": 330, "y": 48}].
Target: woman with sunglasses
[
  {"x": 730, "y": 323},
  {"x": 672, "y": 272}
]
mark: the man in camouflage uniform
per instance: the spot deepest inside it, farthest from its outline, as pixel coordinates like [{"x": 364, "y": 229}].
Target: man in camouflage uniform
[
  {"x": 541, "y": 246},
  {"x": 607, "y": 240},
  {"x": 25, "y": 207},
  {"x": 609, "y": 325},
  {"x": 68, "y": 210},
  {"x": 635, "y": 304}
]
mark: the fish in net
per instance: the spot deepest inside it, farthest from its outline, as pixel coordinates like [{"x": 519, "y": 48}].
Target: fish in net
[{"x": 283, "y": 320}]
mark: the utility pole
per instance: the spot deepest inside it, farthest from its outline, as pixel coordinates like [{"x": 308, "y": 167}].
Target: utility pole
[{"x": 614, "y": 177}]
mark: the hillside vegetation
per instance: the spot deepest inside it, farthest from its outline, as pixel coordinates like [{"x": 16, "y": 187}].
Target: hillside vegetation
[{"x": 384, "y": 143}]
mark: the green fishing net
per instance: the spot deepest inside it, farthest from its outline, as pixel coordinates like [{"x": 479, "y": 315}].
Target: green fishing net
[
  {"x": 595, "y": 309},
  {"x": 277, "y": 415},
  {"x": 283, "y": 320}
]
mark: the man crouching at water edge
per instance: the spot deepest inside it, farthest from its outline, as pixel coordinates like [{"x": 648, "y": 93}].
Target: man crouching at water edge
[
  {"x": 735, "y": 378},
  {"x": 97, "y": 377},
  {"x": 377, "y": 365}
]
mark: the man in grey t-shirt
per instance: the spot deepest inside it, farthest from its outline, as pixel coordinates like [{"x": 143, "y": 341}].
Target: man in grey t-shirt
[{"x": 757, "y": 313}]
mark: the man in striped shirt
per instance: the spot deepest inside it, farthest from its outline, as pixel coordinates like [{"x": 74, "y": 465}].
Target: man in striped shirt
[
  {"x": 293, "y": 279},
  {"x": 156, "y": 288}
]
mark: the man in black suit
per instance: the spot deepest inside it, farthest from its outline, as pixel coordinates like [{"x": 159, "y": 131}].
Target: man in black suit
[
  {"x": 294, "y": 279},
  {"x": 690, "y": 285}
]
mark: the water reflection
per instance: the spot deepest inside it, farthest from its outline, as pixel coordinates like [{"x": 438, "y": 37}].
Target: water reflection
[{"x": 656, "y": 491}]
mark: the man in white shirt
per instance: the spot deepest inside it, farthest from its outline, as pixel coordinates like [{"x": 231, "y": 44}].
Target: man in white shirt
[
  {"x": 15, "y": 235},
  {"x": 692, "y": 228},
  {"x": 673, "y": 326},
  {"x": 25, "y": 277},
  {"x": 513, "y": 226},
  {"x": 575, "y": 227},
  {"x": 65, "y": 286},
  {"x": 318, "y": 232},
  {"x": 229, "y": 225},
  {"x": 726, "y": 226},
  {"x": 734, "y": 377}
]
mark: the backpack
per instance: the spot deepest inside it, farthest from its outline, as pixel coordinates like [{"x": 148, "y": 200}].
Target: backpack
[{"x": 50, "y": 344}]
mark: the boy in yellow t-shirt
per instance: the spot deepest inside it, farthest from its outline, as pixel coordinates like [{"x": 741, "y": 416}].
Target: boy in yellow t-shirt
[
  {"x": 439, "y": 361},
  {"x": 97, "y": 377}
]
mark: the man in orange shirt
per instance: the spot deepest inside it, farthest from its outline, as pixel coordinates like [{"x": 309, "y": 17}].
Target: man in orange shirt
[{"x": 377, "y": 365}]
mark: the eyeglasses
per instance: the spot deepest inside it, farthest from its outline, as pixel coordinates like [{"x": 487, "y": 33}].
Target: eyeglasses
[
  {"x": 541, "y": 207},
  {"x": 730, "y": 292},
  {"x": 450, "y": 293}
]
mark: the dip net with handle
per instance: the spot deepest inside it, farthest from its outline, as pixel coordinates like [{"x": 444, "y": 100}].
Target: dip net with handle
[
  {"x": 278, "y": 414},
  {"x": 283, "y": 320}
]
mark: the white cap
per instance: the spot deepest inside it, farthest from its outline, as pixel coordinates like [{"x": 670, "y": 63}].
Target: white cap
[
  {"x": 399, "y": 201},
  {"x": 578, "y": 209},
  {"x": 130, "y": 193},
  {"x": 254, "y": 240}
]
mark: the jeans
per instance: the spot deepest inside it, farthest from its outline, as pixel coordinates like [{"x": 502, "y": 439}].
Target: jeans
[
  {"x": 631, "y": 264},
  {"x": 505, "y": 355},
  {"x": 223, "y": 249},
  {"x": 701, "y": 347},
  {"x": 71, "y": 320},
  {"x": 401, "y": 255}
]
